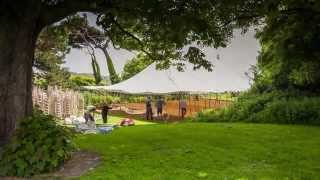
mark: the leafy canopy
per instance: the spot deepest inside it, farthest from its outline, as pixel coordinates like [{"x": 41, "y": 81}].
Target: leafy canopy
[
  {"x": 135, "y": 65},
  {"x": 51, "y": 48},
  {"x": 290, "y": 55},
  {"x": 162, "y": 29}
]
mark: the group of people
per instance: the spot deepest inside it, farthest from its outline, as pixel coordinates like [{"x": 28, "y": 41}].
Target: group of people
[
  {"x": 89, "y": 118},
  {"x": 160, "y": 103}
]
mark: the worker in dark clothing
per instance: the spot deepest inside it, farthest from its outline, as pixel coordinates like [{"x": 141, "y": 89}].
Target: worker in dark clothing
[
  {"x": 149, "y": 113},
  {"x": 183, "y": 107},
  {"x": 160, "y": 104},
  {"x": 104, "y": 113},
  {"x": 88, "y": 116}
]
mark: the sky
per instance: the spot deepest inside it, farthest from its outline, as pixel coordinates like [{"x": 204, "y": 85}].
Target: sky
[
  {"x": 79, "y": 61},
  {"x": 236, "y": 58}
]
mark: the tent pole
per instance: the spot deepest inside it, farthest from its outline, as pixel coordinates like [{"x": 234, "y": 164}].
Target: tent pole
[
  {"x": 189, "y": 104},
  {"x": 205, "y": 102},
  {"x": 209, "y": 101}
]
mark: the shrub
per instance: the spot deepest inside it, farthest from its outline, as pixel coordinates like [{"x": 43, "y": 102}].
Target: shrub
[
  {"x": 275, "y": 107},
  {"x": 82, "y": 80},
  {"x": 96, "y": 99},
  {"x": 291, "y": 111},
  {"x": 39, "y": 145}
]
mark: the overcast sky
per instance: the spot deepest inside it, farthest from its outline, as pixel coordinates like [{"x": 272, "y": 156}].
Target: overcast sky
[{"x": 237, "y": 57}]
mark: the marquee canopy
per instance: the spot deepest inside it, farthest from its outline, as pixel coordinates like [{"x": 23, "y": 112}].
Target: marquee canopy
[{"x": 152, "y": 81}]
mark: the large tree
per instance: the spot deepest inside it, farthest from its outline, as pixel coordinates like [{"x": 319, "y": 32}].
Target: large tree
[
  {"x": 160, "y": 28},
  {"x": 22, "y": 21}
]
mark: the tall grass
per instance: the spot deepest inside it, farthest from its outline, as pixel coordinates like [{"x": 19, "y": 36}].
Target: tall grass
[{"x": 275, "y": 107}]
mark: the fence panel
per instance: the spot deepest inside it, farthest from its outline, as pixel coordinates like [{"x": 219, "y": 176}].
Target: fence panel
[{"x": 57, "y": 102}]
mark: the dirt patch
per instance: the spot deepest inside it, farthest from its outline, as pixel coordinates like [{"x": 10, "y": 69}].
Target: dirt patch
[{"x": 80, "y": 163}]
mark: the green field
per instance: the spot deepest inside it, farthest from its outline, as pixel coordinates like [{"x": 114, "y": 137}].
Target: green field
[{"x": 206, "y": 151}]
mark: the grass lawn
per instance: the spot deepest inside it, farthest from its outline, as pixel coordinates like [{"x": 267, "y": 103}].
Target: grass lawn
[
  {"x": 206, "y": 151},
  {"x": 116, "y": 120}
]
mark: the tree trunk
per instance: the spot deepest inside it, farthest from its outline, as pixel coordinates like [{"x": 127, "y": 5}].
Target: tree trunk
[
  {"x": 18, "y": 34},
  {"x": 114, "y": 78},
  {"x": 95, "y": 69}
]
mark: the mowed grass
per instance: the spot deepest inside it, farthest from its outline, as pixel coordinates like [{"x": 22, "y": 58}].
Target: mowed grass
[
  {"x": 206, "y": 151},
  {"x": 115, "y": 120}
]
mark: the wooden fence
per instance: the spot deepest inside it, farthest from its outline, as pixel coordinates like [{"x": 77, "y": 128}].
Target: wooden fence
[
  {"x": 172, "y": 106},
  {"x": 57, "y": 102}
]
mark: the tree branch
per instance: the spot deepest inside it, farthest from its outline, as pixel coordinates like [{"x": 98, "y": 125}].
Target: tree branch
[
  {"x": 52, "y": 13},
  {"x": 142, "y": 46}
]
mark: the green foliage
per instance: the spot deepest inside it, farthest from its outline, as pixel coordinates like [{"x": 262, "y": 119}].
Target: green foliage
[
  {"x": 92, "y": 98},
  {"x": 289, "y": 57},
  {"x": 79, "y": 80},
  {"x": 96, "y": 98},
  {"x": 275, "y": 107},
  {"x": 51, "y": 48},
  {"x": 39, "y": 145},
  {"x": 135, "y": 65},
  {"x": 132, "y": 99},
  {"x": 59, "y": 78},
  {"x": 163, "y": 29},
  {"x": 288, "y": 62}
]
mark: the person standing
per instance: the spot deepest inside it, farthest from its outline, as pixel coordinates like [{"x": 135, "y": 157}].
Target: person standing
[
  {"x": 89, "y": 119},
  {"x": 104, "y": 113},
  {"x": 149, "y": 108},
  {"x": 183, "y": 107},
  {"x": 160, "y": 104}
]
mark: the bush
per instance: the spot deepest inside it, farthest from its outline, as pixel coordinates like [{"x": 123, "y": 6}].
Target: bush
[
  {"x": 78, "y": 80},
  {"x": 38, "y": 146},
  {"x": 291, "y": 111},
  {"x": 275, "y": 107},
  {"x": 96, "y": 99}
]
